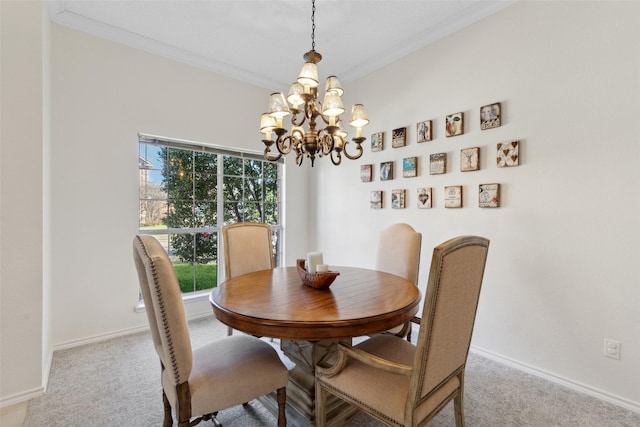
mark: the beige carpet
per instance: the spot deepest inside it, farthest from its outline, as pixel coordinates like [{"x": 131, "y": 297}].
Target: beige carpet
[{"x": 116, "y": 383}]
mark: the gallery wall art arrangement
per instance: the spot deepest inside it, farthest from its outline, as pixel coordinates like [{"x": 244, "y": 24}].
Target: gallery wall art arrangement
[{"x": 506, "y": 153}]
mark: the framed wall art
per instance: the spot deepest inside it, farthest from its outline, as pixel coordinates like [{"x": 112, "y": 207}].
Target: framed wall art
[
  {"x": 489, "y": 195},
  {"x": 366, "y": 173},
  {"x": 399, "y": 137},
  {"x": 507, "y": 154},
  {"x": 398, "y": 199},
  {"x": 423, "y": 131},
  {"x": 424, "y": 198},
  {"x": 377, "y": 141},
  {"x": 454, "y": 124},
  {"x": 386, "y": 171},
  {"x": 437, "y": 163},
  {"x": 375, "y": 200},
  {"x": 469, "y": 159},
  {"x": 490, "y": 116},
  {"x": 453, "y": 196},
  {"x": 410, "y": 167}
]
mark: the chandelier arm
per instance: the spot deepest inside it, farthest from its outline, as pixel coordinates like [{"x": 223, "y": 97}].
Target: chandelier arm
[
  {"x": 295, "y": 122},
  {"x": 268, "y": 156},
  {"x": 267, "y": 151},
  {"x": 327, "y": 144},
  {"x": 338, "y": 155},
  {"x": 359, "y": 150},
  {"x": 282, "y": 146}
]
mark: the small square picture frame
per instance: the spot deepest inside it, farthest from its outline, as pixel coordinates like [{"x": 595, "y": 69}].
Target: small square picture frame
[
  {"x": 366, "y": 172},
  {"x": 410, "y": 167},
  {"x": 424, "y": 198},
  {"x": 490, "y": 116},
  {"x": 398, "y": 199},
  {"x": 470, "y": 159},
  {"x": 453, "y": 196},
  {"x": 423, "y": 131},
  {"x": 399, "y": 137},
  {"x": 508, "y": 154},
  {"x": 377, "y": 141},
  {"x": 437, "y": 163},
  {"x": 489, "y": 195},
  {"x": 454, "y": 124},
  {"x": 376, "y": 199},
  {"x": 386, "y": 171}
]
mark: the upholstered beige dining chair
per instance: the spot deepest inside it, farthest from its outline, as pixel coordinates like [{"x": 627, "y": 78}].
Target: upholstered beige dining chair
[
  {"x": 399, "y": 253},
  {"x": 405, "y": 385},
  {"x": 247, "y": 248},
  {"x": 200, "y": 382}
]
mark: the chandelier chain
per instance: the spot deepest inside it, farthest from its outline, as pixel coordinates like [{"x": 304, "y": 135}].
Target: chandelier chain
[{"x": 313, "y": 25}]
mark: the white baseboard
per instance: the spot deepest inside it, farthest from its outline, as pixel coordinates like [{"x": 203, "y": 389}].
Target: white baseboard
[
  {"x": 21, "y": 397},
  {"x": 114, "y": 334},
  {"x": 582, "y": 388},
  {"x": 36, "y": 392}
]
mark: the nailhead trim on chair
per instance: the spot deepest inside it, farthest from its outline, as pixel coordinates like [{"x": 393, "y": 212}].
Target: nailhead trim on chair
[
  {"x": 362, "y": 404},
  {"x": 428, "y": 344},
  {"x": 165, "y": 325}
]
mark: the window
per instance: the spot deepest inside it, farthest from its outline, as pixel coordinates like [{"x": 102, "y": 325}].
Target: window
[{"x": 188, "y": 192}]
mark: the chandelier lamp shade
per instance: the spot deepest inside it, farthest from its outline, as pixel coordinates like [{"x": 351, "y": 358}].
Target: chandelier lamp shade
[{"x": 307, "y": 137}]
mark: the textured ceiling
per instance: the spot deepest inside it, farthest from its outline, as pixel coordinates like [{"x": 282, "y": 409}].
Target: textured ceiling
[{"x": 262, "y": 41}]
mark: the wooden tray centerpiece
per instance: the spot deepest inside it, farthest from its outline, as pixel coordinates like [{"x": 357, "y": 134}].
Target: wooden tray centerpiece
[{"x": 316, "y": 280}]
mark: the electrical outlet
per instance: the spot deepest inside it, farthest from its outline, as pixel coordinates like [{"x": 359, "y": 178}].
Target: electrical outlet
[{"x": 612, "y": 348}]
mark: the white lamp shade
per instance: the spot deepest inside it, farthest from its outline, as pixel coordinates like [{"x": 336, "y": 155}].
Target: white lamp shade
[
  {"x": 294, "y": 97},
  {"x": 309, "y": 75},
  {"x": 333, "y": 85},
  {"x": 332, "y": 105},
  {"x": 359, "y": 116},
  {"x": 278, "y": 107},
  {"x": 267, "y": 123}
]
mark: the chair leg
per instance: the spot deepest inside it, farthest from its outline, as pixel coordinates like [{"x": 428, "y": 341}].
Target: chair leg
[
  {"x": 321, "y": 402},
  {"x": 183, "y": 410},
  {"x": 282, "y": 400},
  {"x": 458, "y": 402},
  {"x": 229, "y": 331},
  {"x": 168, "y": 419}
]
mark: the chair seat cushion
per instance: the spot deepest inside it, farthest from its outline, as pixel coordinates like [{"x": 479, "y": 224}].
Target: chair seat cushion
[
  {"x": 386, "y": 393},
  {"x": 232, "y": 371}
]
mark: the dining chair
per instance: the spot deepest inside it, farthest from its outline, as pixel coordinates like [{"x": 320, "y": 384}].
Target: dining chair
[
  {"x": 405, "y": 385},
  {"x": 399, "y": 253},
  {"x": 247, "y": 248},
  {"x": 200, "y": 382}
]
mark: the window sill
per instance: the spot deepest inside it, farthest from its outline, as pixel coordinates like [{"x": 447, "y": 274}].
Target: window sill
[{"x": 187, "y": 299}]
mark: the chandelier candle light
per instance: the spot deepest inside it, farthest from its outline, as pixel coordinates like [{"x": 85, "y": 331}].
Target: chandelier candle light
[{"x": 305, "y": 108}]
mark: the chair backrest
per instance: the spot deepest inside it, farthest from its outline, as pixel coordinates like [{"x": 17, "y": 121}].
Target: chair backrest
[
  {"x": 164, "y": 307},
  {"x": 448, "y": 316},
  {"x": 399, "y": 251},
  {"x": 247, "y": 248}
]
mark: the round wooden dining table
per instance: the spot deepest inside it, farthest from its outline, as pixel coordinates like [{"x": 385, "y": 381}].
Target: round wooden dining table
[{"x": 309, "y": 322}]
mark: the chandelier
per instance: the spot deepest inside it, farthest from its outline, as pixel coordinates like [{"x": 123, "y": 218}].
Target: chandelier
[{"x": 303, "y": 106}]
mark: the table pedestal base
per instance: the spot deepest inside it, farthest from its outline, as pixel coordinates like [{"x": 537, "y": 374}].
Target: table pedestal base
[{"x": 301, "y": 393}]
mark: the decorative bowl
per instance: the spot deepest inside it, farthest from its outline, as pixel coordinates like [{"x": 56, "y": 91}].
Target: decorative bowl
[{"x": 316, "y": 280}]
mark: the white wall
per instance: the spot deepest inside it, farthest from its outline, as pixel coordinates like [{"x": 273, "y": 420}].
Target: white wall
[
  {"x": 562, "y": 272},
  {"x": 24, "y": 134},
  {"x": 103, "y": 95}
]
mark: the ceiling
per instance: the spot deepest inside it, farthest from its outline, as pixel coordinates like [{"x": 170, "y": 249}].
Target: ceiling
[{"x": 262, "y": 41}]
